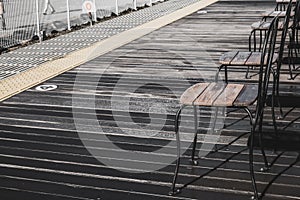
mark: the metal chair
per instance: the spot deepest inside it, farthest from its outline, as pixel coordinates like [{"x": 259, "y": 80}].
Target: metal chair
[
  {"x": 282, "y": 5},
  {"x": 240, "y": 96},
  {"x": 251, "y": 59},
  {"x": 294, "y": 44},
  {"x": 277, "y": 139},
  {"x": 262, "y": 26}
]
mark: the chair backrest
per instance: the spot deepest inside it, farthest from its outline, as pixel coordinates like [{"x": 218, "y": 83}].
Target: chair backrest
[
  {"x": 265, "y": 68},
  {"x": 282, "y": 5},
  {"x": 296, "y": 20},
  {"x": 285, "y": 28}
]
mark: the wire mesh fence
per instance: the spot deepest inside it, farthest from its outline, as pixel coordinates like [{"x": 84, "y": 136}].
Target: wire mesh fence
[{"x": 24, "y": 20}]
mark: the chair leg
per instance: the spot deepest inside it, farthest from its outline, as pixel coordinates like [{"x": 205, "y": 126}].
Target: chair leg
[
  {"x": 260, "y": 40},
  {"x": 193, "y": 160},
  {"x": 261, "y": 144},
  {"x": 174, "y": 190},
  {"x": 266, "y": 163},
  {"x": 273, "y": 112},
  {"x": 296, "y": 56},
  {"x": 254, "y": 40},
  {"x": 291, "y": 62},
  {"x": 250, "y": 49},
  {"x": 262, "y": 149},
  {"x": 249, "y": 42},
  {"x": 225, "y": 73},
  {"x": 247, "y": 73},
  {"x": 251, "y": 165},
  {"x": 276, "y": 86}
]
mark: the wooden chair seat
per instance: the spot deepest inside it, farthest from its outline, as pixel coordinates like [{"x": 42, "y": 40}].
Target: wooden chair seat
[
  {"x": 274, "y": 13},
  {"x": 220, "y": 95},
  {"x": 239, "y": 58}
]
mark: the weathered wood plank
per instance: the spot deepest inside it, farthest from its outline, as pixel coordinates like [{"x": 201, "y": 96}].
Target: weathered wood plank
[
  {"x": 229, "y": 94},
  {"x": 190, "y": 95},
  {"x": 247, "y": 96},
  {"x": 240, "y": 58},
  {"x": 274, "y": 13},
  {"x": 261, "y": 25},
  {"x": 210, "y": 94},
  {"x": 227, "y": 57},
  {"x": 254, "y": 59}
]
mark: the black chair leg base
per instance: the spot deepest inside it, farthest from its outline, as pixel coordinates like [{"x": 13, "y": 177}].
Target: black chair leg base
[
  {"x": 255, "y": 198},
  {"x": 194, "y": 162},
  {"x": 280, "y": 117},
  {"x": 264, "y": 169},
  {"x": 174, "y": 192}
]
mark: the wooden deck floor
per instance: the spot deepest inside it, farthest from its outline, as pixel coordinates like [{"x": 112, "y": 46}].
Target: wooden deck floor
[{"x": 132, "y": 95}]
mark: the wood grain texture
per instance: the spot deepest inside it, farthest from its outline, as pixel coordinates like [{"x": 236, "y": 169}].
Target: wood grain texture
[
  {"x": 241, "y": 58},
  {"x": 227, "y": 57},
  {"x": 247, "y": 96},
  {"x": 228, "y": 95},
  {"x": 192, "y": 93},
  {"x": 210, "y": 94},
  {"x": 254, "y": 59},
  {"x": 274, "y": 13}
]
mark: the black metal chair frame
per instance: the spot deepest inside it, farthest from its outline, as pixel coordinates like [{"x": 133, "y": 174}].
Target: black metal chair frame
[
  {"x": 276, "y": 73},
  {"x": 253, "y": 34},
  {"x": 262, "y": 32},
  {"x": 294, "y": 44},
  {"x": 264, "y": 75},
  {"x": 282, "y": 6}
]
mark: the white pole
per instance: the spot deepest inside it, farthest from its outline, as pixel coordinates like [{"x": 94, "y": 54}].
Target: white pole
[
  {"x": 68, "y": 15},
  {"x": 95, "y": 13},
  {"x": 38, "y": 20},
  {"x": 150, "y": 3},
  {"x": 134, "y": 5},
  {"x": 117, "y": 8}
]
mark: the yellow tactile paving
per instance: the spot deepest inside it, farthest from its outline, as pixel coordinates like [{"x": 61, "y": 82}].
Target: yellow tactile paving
[{"x": 34, "y": 76}]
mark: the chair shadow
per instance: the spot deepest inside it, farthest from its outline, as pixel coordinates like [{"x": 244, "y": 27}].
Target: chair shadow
[
  {"x": 279, "y": 174},
  {"x": 213, "y": 169}
]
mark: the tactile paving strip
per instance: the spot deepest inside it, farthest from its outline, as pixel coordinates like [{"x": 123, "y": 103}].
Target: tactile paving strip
[{"x": 65, "y": 52}]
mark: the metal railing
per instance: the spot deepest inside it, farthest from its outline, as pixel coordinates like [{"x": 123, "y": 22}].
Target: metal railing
[{"x": 23, "y": 20}]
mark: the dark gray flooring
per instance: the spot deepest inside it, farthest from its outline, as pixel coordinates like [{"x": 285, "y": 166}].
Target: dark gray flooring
[{"x": 123, "y": 105}]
